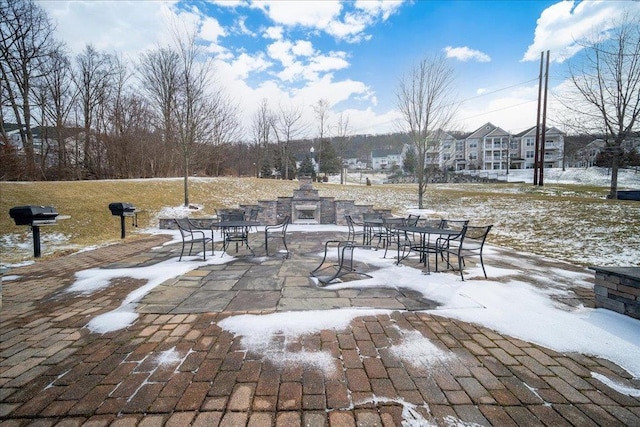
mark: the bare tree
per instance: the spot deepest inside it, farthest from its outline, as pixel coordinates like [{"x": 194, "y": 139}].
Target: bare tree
[
  {"x": 92, "y": 78},
  {"x": 261, "y": 132},
  {"x": 342, "y": 127},
  {"x": 342, "y": 137},
  {"x": 321, "y": 111},
  {"x": 59, "y": 100},
  {"x": 26, "y": 39},
  {"x": 287, "y": 125},
  {"x": 120, "y": 148},
  {"x": 606, "y": 79},
  {"x": 224, "y": 123},
  {"x": 160, "y": 78},
  {"x": 191, "y": 111},
  {"x": 202, "y": 113},
  {"x": 426, "y": 102}
]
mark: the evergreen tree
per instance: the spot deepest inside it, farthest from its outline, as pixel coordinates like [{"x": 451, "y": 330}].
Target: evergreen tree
[
  {"x": 266, "y": 171},
  {"x": 306, "y": 167},
  {"x": 286, "y": 167},
  {"x": 409, "y": 161},
  {"x": 329, "y": 160}
]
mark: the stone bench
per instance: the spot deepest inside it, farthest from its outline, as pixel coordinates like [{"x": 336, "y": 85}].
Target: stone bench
[{"x": 618, "y": 289}]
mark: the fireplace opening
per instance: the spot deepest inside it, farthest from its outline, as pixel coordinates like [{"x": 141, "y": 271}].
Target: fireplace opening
[{"x": 306, "y": 214}]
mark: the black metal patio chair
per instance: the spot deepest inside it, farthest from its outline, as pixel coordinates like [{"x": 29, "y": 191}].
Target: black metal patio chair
[
  {"x": 277, "y": 231},
  {"x": 191, "y": 236},
  {"x": 328, "y": 272},
  {"x": 355, "y": 228},
  {"x": 390, "y": 234},
  {"x": 470, "y": 242}
]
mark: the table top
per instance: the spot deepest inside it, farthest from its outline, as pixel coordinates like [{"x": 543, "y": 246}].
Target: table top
[
  {"x": 380, "y": 221},
  {"x": 236, "y": 224},
  {"x": 429, "y": 230},
  {"x": 202, "y": 223},
  {"x": 373, "y": 221}
]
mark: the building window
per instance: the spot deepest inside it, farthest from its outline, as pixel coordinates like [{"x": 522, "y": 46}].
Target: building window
[
  {"x": 529, "y": 142},
  {"x": 529, "y": 154}
]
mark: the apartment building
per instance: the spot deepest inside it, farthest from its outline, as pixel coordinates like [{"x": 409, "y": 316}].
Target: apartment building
[
  {"x": 492, "y": 148},
  {"x": 489, "y": 147}
]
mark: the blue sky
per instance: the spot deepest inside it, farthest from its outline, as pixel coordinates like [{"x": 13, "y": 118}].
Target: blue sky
[{"x": 294, "y": 53}]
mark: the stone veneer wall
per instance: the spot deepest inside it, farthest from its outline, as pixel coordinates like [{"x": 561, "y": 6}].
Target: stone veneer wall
[
  {"x": 331, "y": 211},
  {"x": 618, "y": 289}
]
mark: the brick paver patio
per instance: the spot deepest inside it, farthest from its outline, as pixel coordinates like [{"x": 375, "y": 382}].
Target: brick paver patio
[{"x": 175, "y": 366}]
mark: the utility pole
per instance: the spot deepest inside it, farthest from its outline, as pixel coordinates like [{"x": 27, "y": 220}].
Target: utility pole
[
  {"x": 543, "y": 135},
  {"x": 538, "y": 161},
  {"x": 537, "y": 146}
]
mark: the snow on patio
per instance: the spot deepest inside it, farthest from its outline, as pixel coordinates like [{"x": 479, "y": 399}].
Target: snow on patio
[{"x": 504, "y": 302}]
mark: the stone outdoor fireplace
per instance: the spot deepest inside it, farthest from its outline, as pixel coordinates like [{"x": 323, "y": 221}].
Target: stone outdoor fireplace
[
  {"x": 306, "y": 214},
  {"x": 306, "y": 205}
]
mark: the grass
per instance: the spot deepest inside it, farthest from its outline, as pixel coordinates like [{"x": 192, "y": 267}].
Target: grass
[{"x": 568, "y": 222}]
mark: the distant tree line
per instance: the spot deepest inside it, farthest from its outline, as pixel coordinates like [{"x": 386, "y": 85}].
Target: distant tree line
[{"x": 99, "y": 117}]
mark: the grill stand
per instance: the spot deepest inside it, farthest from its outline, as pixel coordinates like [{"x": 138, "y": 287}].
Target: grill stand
[
  {"x": 122, "y": 227},
  {"x": 134, "y": 215},
  {"x": 36, "y": 241}
]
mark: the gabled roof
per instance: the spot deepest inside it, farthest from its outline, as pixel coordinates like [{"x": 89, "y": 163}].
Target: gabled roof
[
  {"x": 529, "y": 131},
  {"x": 482, "y": 131},
  {"x": 440, "y": 135},
  {"x": 532, "y": 131},
  {"x": 385, "y": 153},
  {"x": 498, "y": 132}
]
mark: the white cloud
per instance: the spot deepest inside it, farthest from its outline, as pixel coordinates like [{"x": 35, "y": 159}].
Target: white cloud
[
  {"x": 465, "y": 54},
  {"x": 349, "y": 29},
  {"x": 330, "y": 16},
  {"x": 312, "y": 14},
  {"x": 241, "y": 25},
  {"x": 514, "y": 112},
  {"x": 367, "y": 121},
  {"x": 211, "y": 30},
  {"x": 332, "y": 61},
  {"x": 303, "y": 48},
  {"x": 281, "y": 51},
  {"x": 274, "y": 33},
  {"x": 300, "y": 60},
  {"x": 331, "y": 90},
  {"x": 228, "y": 3},
  {"x": 481, "y": 90},
  {"x": 245, "y": 64},
  {"x": 562, "y": 26},
  {"x": 103, "y": 25},
  {"x": 379, "y": 7}
]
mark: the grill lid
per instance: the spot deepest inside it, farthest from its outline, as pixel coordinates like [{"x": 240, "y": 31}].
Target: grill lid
[
  {"x": 27, "y": 215},
  {"x": 120, "y": 208}
]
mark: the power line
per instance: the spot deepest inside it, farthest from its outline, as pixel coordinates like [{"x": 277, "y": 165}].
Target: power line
[
  {"x": 471, "y": 98},
  {"x": 498, "y": 90},
  {"x": 500, "y": 109}
]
